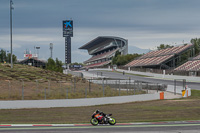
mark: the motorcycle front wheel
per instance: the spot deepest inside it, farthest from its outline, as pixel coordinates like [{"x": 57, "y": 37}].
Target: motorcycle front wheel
[
  {"x": 112, "y": 121},
  {"x": 94, "y": 121}
]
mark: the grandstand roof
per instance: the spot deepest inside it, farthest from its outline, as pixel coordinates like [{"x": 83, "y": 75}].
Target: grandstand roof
[
  {"x": 99, "y": 40},
  {"x": 155, "y": 58}
]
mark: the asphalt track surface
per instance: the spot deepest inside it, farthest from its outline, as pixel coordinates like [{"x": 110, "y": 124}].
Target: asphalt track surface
[
  {"x": 115, "y": 75},
  {"x": 176, "y": 127}
]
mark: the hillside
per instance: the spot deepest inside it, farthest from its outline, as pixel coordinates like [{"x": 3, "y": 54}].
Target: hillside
[
  {"x": 29, "y": 73},
  {"x": 31, "y": 83}
]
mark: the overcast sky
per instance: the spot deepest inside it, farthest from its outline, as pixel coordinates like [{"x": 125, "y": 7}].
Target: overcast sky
[{"x": 145, "y": 23}]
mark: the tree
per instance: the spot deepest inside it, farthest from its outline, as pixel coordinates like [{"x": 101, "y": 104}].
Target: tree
[
  {"x": 123, "y": 59},
  {"x": 164, "y": 46},
  {"x": 2, "y": 55},
  {"x": 8, "y": 58},
  {"x": 196, "y": 43},
  {"x": 114, "y": 59},
  {"x": 50, "y": 64},
  {"x": 54, "y": 65},
  {"x": 58, "y": 65}
]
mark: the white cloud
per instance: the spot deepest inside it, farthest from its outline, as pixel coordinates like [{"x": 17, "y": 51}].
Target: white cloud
[
  {"x": 24, "y": 38},
  {"x": 80, "y": 52}
]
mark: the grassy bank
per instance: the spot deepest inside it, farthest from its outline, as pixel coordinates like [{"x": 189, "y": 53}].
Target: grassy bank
[
  {"x": 38, "y": 83},
  {"x": 160, "y": 110}
]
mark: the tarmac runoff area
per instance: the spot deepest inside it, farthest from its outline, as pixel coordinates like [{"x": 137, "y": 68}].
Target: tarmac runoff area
[
  {"x": 150, "y": 127},
  {"x": 191, "y": 82}
]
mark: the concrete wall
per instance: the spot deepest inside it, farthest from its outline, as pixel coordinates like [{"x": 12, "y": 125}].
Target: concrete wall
[{"x": 76, "y": 102}]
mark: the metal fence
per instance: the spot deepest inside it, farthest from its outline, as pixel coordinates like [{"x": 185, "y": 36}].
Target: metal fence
[
  {"x": 74, "y": 88},
  {"x": 129, "y": 86}
]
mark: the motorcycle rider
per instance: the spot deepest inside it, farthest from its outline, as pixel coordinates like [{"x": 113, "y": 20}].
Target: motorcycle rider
[{"x": 101, "y": 113}]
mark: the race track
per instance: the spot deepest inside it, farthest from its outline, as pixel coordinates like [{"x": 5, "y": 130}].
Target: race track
[{"x": 163, "y": 127}]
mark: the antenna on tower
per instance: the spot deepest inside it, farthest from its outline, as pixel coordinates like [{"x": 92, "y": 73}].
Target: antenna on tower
[{"x": 51, "y": 50}]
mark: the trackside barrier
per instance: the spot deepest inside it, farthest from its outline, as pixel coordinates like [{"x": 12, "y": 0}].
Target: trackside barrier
[
  {"x": 161, "y": 95},
  {"x": 76, "y": 102},
  {"x": 186, "y": 93},
  {"x": 179, "y": 90}
]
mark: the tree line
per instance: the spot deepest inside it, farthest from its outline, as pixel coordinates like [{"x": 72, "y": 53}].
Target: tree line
[
  {"x": 119, "y": 59},
  {"x": 54, "y": 65},
  {"x": 6, "y": 57}
]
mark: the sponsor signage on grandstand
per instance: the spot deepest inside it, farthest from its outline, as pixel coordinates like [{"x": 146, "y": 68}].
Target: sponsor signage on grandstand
[
  {"x": 67, "y": 28},
  {"x": 30, "y": 55},
  {"x": 77, "y": 66}
]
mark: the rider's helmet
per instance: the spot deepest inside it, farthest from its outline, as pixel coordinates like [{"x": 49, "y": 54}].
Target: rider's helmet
[{"x": 97, "y": 111}]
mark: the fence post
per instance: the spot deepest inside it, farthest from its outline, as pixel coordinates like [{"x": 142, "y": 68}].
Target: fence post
[
  {"x": 49, "y": 87},
  {"x": 74, "y": 85},
  {"x": 138, "y": 86},
  {"x": 134, "y": 87},
  {"x": 60, "y": 88},
  {"x": 9, "y": 89},
  {"x": 116, "y": 86},
  {"x": 147, "y": 88},
  {"x": 141, "y": 86},
  {"x": 174, "y": 87},
  {"x": 85, "y": 92},
  {"x": 89, "y": 86},
  {"x": 129, "y": 85},
  {"x": 126, "y": 88},
  {"x": 71, "y": 86},
  {"x": 22, "y": 89},
  {"x": 157, "y": 87},
  {"x": 37, "y": 86},
  {"x": 66, "y": 93},
  {"x": 119, "y": 87},
  {"x": 45, "y": 97},
  {"x": 103, "y": 86}
]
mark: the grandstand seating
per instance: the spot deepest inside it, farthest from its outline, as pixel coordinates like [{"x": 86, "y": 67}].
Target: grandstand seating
[
  {"x": 148, "y": 61},
  {"x": 168, "y": 51},
  {"x": 192, "y": 65},
  {"x": 103, "y": 48},
  {"x": 189, "y": 66},
  {"x": 197, "y": 57},
  {"x": 101, "y": 56},
  {"x": 97, "y": 64},
  {"x": 155, "y": 58}
]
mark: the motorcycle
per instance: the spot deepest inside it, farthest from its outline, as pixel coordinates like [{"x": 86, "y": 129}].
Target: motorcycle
[{"x": 102, "y": 119}]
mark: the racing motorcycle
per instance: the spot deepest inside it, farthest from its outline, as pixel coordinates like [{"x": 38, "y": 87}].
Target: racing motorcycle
[{"x": 102, "y": 119}]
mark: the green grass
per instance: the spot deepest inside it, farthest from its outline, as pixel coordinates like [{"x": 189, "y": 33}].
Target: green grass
[
  {"x": 195, "y": 94},
  {"x": 150, "y": 111}
]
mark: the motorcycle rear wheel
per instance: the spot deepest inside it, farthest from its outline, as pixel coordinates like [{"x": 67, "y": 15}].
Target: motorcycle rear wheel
[
  {"x": 112, "y": 121},
  {"x": 94, "y": 121}
]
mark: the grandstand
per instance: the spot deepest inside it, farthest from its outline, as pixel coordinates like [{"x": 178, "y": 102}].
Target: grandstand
[
  {"x": 161, "y": 59},
  {"x": 190, "y": 68},
  {"x": 102, "y": 49}
]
